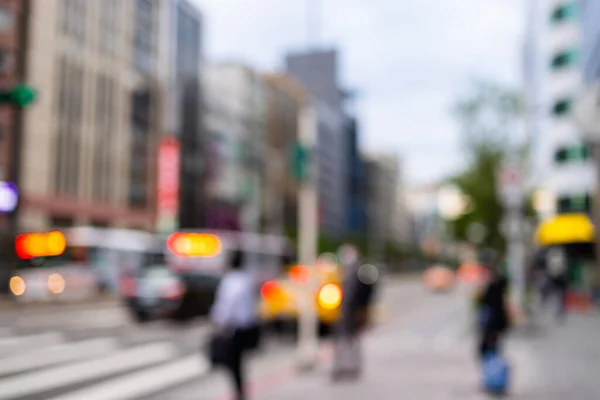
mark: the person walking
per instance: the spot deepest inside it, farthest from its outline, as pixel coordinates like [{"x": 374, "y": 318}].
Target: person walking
[
  {"x": 493, "y": 313},
  {"x": 358, "y": 288},
  {"x": 557, "y": 272},
  {"x": 234, "y": 316}
]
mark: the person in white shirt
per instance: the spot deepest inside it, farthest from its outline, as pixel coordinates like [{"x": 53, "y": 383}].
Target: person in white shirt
[{"x": 234, "y": 313}]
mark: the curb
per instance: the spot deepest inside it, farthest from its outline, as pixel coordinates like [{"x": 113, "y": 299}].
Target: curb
[{"x": 7, "y": 305}]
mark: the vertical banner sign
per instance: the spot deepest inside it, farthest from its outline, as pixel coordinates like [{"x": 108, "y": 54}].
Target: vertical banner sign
[
  {"x": 510, "y": 185},
  {"x": 168, "y": 183}
]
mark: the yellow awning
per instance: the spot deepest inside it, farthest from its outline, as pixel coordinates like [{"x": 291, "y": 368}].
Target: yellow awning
[{"x": 565, "y": 229}]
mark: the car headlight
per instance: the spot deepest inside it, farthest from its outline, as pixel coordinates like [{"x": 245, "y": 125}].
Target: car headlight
[
  {"x": 330, "y": 296},
  {"x": 17, "y": 285}
]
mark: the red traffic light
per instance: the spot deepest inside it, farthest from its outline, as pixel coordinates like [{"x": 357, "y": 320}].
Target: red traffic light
[
  {"x": 194, "y": 244},
  {"x": 34, "y": 245}
]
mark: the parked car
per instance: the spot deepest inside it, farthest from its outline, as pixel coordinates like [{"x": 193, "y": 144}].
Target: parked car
[{"x": 158, "y": 292}]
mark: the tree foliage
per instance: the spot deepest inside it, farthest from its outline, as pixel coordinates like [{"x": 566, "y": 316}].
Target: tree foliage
[{"x": 488, "y": 115}]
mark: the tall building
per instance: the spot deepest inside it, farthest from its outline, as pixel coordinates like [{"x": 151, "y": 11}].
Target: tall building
[
  {"x": 317, "y": 71},
  {"x": 89, "y": 141},
  {"x": 285, "y": 98},
  {"x": 13, "y": 25},
  {"x": 382, "y": 177},
  {"x": 590, "y": 15},
  {"x": 357, "y": 182},
  {"x": 183, "y": 36},
  {"x": 572, "y": 172},
  {"x": 236, "y": 107}
]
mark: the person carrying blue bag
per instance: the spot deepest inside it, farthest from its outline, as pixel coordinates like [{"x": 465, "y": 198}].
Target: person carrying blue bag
[{"x": 493, "y": 319}]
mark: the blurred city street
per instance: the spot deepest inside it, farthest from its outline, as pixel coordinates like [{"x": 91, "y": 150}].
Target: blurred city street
[{"x": 99, "y": 353}]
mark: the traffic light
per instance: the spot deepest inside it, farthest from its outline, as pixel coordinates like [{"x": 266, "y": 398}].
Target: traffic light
[
  {"x": 22, "y": 95},
  {"x": 194, "y": 244},
  {"x": 34, "y": 245},
  {"x": 299, "y": 162}
]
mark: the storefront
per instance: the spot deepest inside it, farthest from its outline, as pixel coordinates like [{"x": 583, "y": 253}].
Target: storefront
[{"x": 575, "y": 234}]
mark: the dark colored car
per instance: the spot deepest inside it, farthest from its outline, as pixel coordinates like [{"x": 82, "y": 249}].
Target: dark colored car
[{"x": 158, "y": 292}]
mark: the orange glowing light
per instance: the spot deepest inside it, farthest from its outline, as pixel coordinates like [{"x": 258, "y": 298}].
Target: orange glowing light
[
  {"x": 33, "y": 245},
  {"x": 194, "y": 244},
  {"x": 330, "y": 296},
  {"x": 300, "y": 274},
  {"x": 269, "y": 290},
  {"x": 56, "y": 284}
]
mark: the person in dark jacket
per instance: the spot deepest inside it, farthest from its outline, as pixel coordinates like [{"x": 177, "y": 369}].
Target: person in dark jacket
[
  {"x": 358, "y": 289},
  {"x": 493, "y": 314}
]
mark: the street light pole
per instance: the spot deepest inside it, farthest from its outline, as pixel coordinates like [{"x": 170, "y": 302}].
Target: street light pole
[{"x": 307, "y": 238}]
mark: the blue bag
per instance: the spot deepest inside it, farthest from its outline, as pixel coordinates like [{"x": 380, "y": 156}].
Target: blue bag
[{"x": 496, "y": 373}]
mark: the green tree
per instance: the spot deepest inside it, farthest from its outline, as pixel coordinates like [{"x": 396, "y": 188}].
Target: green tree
[{"x": 488, "y": 116}]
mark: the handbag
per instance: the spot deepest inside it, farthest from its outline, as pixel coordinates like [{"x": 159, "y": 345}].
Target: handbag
[
  {"x": 252, "y": 337},
  {"x": 220, "y": 350}
]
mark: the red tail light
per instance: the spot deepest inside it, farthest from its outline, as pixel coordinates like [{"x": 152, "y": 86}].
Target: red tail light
[
  {"x": 269, "y": 290},
  {"x": 174, "y": 291},
  {"x": 128, "y": 287}
]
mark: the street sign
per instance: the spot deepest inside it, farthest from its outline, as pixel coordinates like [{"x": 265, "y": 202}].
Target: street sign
[
  {"x": 9, "y": 197},
  {"x": 587, "y": 112},
  {"x": 510, "y": 185},
  {"x": 169, "y": 158}
]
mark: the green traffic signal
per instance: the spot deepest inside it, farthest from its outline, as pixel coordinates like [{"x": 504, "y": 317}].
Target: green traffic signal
[
  {"x": 299, "y": 162},
  {"x": 22, "y": 95}
]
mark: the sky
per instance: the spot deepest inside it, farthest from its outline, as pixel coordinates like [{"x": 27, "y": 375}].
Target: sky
[{"x": 408, "y": 60}]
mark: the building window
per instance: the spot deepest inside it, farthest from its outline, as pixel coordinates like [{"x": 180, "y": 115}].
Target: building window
[
  {"x": 105, "y": 116},
  {"x": 572, "y": 154},
  {"x": 108, "y": 29},
  {"x": 564, "y": 59},
  {"x": 73, "y": 19},
  {"x": 144, "y": 34},
  {"x": 70, "y": 120},
  {"x": 564, "y": 12},
  {"x": 575, "y": 204},
  {"x": 140, "y": 142},
  {"x": 561, "y": 107}
]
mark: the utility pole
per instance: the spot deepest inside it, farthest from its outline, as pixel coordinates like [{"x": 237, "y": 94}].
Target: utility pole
[
  {"x": 587, "y": 115},
  {"x": 305, "y": 169}
]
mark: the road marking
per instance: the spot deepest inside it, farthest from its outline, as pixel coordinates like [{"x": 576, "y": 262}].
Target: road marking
[
  {"x": 115, "y": 363},
  {"x": 106, "y": 321},
  {"x": 57, "y": 354},
  {"x": 143, "y": 383},
  {"x": 13, "y": 343}
]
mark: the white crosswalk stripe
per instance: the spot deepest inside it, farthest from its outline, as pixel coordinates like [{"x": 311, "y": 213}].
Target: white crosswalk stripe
[
  {"x": 114, "y": 363},
  {"x": 55, "y": 366},
  {"x": 56, "y": 354},
  {"x": 15, "y": 343},
  {"x": 142, "y": 383}
]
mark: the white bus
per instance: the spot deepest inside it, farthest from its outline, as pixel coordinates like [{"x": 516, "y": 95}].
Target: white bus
[{"x": 94, "y": 260}]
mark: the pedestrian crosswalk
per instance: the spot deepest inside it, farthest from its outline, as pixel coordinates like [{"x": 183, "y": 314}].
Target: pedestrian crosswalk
[{"x": 55, "y": 366}]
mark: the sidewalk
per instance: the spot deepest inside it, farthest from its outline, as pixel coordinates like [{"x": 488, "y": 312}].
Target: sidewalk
[
  {"x": 393, "y": 373},
  {"x": 552, "y": 362}
]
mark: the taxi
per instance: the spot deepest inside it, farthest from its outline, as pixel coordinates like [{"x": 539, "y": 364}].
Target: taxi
[{"x": 282, "y": 299}]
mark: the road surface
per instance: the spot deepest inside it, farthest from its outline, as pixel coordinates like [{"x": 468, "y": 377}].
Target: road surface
[{"x": 422, "y": 345}]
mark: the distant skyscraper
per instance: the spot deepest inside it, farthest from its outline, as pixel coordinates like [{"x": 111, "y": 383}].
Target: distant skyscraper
[{"x": 318, "y": 72}]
